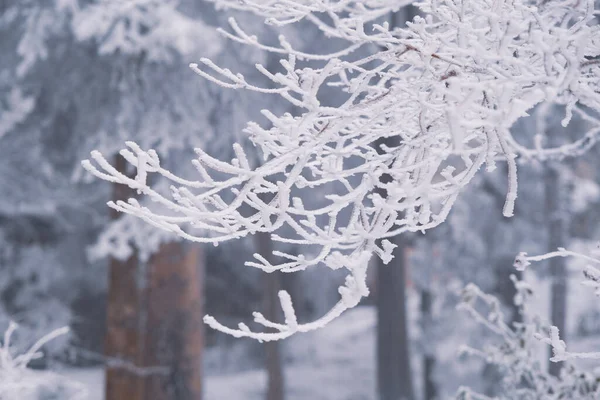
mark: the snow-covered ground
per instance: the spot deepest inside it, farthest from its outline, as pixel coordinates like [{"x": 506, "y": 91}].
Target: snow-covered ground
[
  {"x": 332, "y": 364},
  {"x": 338, "y": 362}
]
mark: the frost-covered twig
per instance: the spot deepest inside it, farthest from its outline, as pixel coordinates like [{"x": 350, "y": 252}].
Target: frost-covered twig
[
  {"x": 513, "y": 352},
  {"x": 448, "y": 87},
  {"x": 18, "y": 382},
  {"x": 591, "y": 275},
  {"x": 119, "y": 363},
  {"x": 8, "y": 362},
  {"x": 523, "y": 376}
]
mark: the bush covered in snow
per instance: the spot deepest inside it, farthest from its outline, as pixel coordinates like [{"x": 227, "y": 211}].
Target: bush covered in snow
[
  {"x": 17, "y": 381},
  {"x": 516, "y": 352}
]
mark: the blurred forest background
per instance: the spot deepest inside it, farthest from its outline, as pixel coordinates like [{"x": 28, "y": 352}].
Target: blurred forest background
[{"x": 78, "y": 75}]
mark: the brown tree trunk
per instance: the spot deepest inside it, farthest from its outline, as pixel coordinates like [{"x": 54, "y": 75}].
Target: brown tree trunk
[
  {"x": 154, "y": 337},
  {"x": 174, "y": 335},
  {"x": 122, "y": 342},
  {"x": 272, "y": 286},
  {"x": 558, "y": 270},
  {"x": 393, "y": 354}
]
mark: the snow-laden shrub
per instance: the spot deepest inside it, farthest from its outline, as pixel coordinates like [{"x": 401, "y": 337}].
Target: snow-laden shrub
[
  {"x": 515, "y": 353},
  {"x": 17, "y": 382}
]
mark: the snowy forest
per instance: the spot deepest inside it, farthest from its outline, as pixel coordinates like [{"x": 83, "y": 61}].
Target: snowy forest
[{"x": 299, "y": 200}]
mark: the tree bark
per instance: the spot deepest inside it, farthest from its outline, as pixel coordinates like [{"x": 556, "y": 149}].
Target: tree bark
[
  {"x": 393, "y": 354},
  {"x": 272, "y": 286},
  {"x": 174, "y": 334},
  {"x": 122, "y": 342},
  {"x": 558, "y": 270},
  {"x": 154, "y": 335}
]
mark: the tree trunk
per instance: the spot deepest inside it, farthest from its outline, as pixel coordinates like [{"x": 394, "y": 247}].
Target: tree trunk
[
  {"x": 122, "y": 342},
  {"x": 174, "y": 333},
  {"x": 429, "y": 385},
  {"x": 154, "y": 329},
  {"x": 393, "y": 355},
  {"x": 272, "y": 286},
  {"x": 558, "y": 270},
  {"x": 394, "y": 374}
]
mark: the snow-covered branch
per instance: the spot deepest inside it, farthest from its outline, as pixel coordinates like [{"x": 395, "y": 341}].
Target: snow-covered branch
[
  {"x": 591, "y": 273},
  {"x": 447, "y": 88}
]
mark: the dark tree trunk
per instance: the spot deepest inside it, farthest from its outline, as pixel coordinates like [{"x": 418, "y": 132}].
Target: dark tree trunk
[
  {"x": 556, "y": 238},
  {"x": 122, "y": 342},
  {"x": 272, "y": 286},
  {"x": 393, "y": 356},
  {"x": 174, "y": 334},
  {"x": 394, "y": 373},
  {"x": 429, "y": 385},
  {"x": 154, "y": 335}
]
